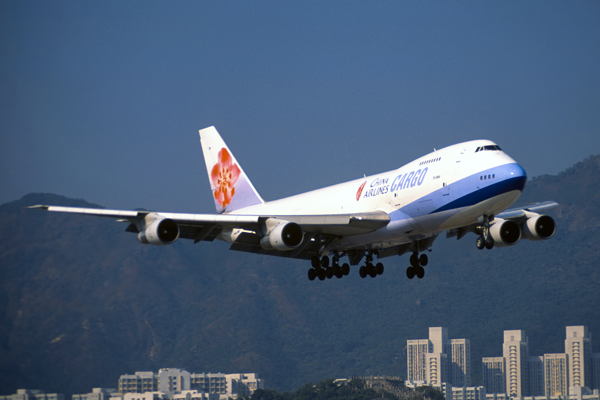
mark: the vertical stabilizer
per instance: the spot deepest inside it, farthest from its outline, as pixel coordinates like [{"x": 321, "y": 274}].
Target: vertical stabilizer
[{"x": 230, "y": 186}]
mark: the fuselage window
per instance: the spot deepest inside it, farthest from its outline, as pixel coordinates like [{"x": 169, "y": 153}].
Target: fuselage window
[
  {"x": 430, "y": 161},
  {"x": 486, "y": 177}
]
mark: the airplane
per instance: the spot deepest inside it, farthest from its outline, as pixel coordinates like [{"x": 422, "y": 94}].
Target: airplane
[{"x": 466, "y": 187}]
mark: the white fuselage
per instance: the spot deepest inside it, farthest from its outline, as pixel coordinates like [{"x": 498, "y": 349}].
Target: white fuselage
[{"x": 446, "y": 189}]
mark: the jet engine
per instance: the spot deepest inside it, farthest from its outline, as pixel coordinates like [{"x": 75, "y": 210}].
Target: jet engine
[
  {"x": 282, "y": 235},
  {"x": 539, "y": 227},
  {"x": 159, "y": 232},
  {"x": 505, "y": 232}
]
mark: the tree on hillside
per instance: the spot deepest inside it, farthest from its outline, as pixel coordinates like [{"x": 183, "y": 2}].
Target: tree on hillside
[
  {"x": 427, "y": 392},
  {"x": 326, "y": 390}
]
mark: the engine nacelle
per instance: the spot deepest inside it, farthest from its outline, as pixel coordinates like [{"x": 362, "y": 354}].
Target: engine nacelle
[
  {"x": 505, "y": 232},
  {"x": 159, "y": 232},
  {"x": 282, "y": 235},
  {"x": 539, "y": 227}
]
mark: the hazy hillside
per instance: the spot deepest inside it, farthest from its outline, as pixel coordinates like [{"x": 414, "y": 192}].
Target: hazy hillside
[{"x": 83, "y": 302}]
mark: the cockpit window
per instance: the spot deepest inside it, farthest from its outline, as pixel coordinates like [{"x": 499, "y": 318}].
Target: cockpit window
[{"x": 488, "y": 148}]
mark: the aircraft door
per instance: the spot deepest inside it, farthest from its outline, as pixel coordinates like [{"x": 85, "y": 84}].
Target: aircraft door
[{"x": 452, "y": 175}]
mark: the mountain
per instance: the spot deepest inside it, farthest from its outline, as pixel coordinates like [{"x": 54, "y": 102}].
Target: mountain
[{"x": 82, "y": 302}]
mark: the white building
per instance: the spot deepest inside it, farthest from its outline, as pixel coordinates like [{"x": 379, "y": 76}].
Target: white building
[
  {"x": 439, "y": 360},
  {"x": 468, "y": 393},
  {"x": 494, "y": 375},
  {"x": 173, "y": 381},
  {"x": 555, "y": 374},
  {"x": 515, "y": 350},
  {"x": 27, "y": 394},
  {"x": 436, "y": 371},
  {"x": 140, "y": 382},
  {"x": 97, "y": 394},
  {"x": 416, "y": 351},
  {"x": 243, "y": 385},
  {"x": 209, "y": 382},
  {"x": 195, "y": 395},
  {"x": 145, "y": 396},
  {"x": 460, "y": 364},
  {"x": 537, "y": 385},
  {"x": 578, "y": 347}
]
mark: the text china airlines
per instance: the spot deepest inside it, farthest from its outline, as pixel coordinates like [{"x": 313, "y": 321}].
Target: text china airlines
[{"x": 402, "y": 181}]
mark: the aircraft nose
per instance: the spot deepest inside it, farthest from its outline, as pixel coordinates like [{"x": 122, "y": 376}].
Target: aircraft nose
[{"x": 517, "y": 174}]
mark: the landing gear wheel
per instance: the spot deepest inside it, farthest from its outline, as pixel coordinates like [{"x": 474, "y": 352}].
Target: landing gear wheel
[
  {"x": 489, "y": 243},
  {"x": 414, "y": 260},
  {"x": 322, "y": 274},
  {"x": 379, "y": 269},
  {"x": 325, "y": 262},
  {"x": 423, "y": 260},
  {"x": 480, "y": 243},
  {"x": 312, "y": 274},
  {"x": 337, "y": 271},
  {"x": 371, "y": 270},
  {"x": 420, "y": 272},
  {"x": 329, "y": 273},
  {"x": 363, "y": 272},
  {"x": 410, "y": 272},
  {"x": 345, "y": 269},
  {"x": 315, "y": 262}
]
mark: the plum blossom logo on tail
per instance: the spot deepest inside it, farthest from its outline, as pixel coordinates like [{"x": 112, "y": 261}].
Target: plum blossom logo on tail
[
  {"x": 224, "y": 175},
  {"x": 360, "y": 189}
]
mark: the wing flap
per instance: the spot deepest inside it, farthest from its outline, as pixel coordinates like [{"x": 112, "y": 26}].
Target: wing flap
[{"x": 341, "y": 224}]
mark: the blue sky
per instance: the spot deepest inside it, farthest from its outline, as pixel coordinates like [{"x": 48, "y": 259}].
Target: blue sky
[{"x": 103, "y": 100}]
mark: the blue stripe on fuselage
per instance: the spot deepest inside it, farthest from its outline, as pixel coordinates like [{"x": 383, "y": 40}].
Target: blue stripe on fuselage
[{"x": 467, "y": 192}]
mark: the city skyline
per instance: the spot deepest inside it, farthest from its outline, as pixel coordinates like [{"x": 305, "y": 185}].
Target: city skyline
[{"x": 516, "y": 374}]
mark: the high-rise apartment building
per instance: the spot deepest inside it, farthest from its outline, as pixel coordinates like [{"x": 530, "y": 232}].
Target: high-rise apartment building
[
  {"x": 578, "y": 348},
  {"x": 436, "y": 371},
  {"x": 515, "y": 350},
  {"x": 535, "y": 368},
  {"x": 551, "y": 375},
  {"x": 416, "y": 351},
  {"x": 460, "y": 364},
  {"x": 493, "y": 374},
  {"x": 438, "y": 336},
  {"x": 555, "y": 375},
  {"x": 439, "y": 360},
  {"x": 595, "y": 371},
  {"x": 436, "y": 361}
]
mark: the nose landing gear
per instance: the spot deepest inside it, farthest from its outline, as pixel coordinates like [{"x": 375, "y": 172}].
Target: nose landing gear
[{"x": 485, "y": 238}]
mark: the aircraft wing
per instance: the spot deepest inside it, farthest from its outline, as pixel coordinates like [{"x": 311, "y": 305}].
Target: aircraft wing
[
  {"x": 198, "y": 227},
  {"x": 521, "y": 213}
]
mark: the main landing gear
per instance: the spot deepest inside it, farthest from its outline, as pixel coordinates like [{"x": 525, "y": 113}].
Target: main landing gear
[
  {"x": 321, "y": 268},
  {"x": 416, "y": 266},
  {"x": 369, "y": 268},
  {"x": 485, "y": 238}
]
